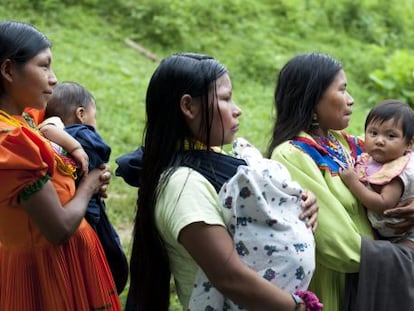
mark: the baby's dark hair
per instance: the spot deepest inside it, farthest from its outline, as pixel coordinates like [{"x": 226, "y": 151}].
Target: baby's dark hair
[
  {"x": 396, "y": 110},
  {"x": 66, "y": 98}
]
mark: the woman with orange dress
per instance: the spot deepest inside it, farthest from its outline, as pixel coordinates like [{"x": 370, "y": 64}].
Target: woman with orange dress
[{"x": 50, "y": 258}]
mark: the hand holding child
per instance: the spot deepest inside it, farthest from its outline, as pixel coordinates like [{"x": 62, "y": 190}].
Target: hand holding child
[{"x": 310, "y": 207}]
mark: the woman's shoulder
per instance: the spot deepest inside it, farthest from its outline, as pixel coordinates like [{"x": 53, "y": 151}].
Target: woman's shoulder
[
  {"x": 26, "y": 160},
  {"x": 22, "y": 147},
  {"x": 186, "y": 197},
  {"x": 186, "y": 184},
  {"x": 295, "y": 146},
  {"x": 186, "y": 176}
]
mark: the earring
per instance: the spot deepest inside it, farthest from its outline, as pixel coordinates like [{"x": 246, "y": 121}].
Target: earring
[{"x": 315, "y": 123}]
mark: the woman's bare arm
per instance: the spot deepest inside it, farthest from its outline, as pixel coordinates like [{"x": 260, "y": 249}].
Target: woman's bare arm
[
  {"x": 212, "y": 248},
  {"x": 56, "y": 222}
]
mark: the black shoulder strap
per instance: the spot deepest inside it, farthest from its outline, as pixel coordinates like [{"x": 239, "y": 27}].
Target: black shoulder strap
[{"x": 217, "y": 168}]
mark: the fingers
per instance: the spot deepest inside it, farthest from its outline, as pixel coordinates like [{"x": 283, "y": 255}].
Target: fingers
[
  {"x": 99, "y": 180},
  {"x": 405, "y": 211},
  {"x": 84, "y": 168},
  {"x": 312, "y": 221},
  {"x": 401, "y": 227},
  {"x": 311, "y": 216},
  {"x": 314, "y": 224},
  {"x": 85, "y": 164},
  {"x": 103, "y": 191},
  {"x": 105, "y": 178},
  {"x": 400, "y": 212},
  {"x": 310, "y": 210},
  {"x": 406, "y": 203},
  {"x": 105, "y": 166},
  {"x": 308, "y": 213},
  {"x": 308, "y": 199},
  {"x": 81, "y": 157}
]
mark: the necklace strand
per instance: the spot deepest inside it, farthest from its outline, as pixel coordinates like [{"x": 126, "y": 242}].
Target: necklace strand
[{"x": 335, "y": 150}]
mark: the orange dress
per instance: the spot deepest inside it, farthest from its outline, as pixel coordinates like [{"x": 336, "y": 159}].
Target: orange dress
[{"x": 36, "y": 275}]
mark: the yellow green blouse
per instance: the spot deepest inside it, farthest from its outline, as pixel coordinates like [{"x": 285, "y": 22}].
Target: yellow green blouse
[{"x": 341, "y": 221}]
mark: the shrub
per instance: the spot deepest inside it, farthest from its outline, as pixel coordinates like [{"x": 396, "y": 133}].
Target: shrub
[{"x": 395, "y": 79}]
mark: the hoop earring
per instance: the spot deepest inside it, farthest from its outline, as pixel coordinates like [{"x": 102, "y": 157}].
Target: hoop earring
[{"x": 315, "y": 123}]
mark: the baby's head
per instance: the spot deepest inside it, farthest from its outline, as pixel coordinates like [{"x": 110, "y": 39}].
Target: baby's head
[
  {"x": 389, "y": 130},
  {"x": 73, "y": 103}
]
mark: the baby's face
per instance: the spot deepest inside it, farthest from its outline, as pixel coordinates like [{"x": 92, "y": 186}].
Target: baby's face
[{"x": 385, "y": 141}]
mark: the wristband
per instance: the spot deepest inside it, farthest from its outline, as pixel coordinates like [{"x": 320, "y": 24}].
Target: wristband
[{"x": 298, "y": 302}]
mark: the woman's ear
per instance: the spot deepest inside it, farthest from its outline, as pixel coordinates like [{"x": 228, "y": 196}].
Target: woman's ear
[
  {"x": 188, "y": 106},
  {"x": 80, "y": 114},
  {"x": 6, "y": 70}
]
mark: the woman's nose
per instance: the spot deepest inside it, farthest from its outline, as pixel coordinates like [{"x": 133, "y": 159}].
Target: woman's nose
[
  {"x": 52, "y": 78},
  {"x": 237, "y": 112},
  {"x": 350, "y": 99}
]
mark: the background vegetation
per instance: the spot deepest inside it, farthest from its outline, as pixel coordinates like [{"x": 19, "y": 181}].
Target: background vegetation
[{"x": 374, "y": 39}]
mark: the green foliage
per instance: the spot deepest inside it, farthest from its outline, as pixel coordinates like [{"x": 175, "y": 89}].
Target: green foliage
[
  {"x": 366, "y": 20},
  {"x": 395, "y": 79}
]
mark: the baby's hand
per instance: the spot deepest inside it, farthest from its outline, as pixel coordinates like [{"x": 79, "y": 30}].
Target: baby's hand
[
  {"x": 81, "y": 158},
  {"x": 348, "y": 175}
]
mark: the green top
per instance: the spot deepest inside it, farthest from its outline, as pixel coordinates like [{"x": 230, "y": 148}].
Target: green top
[{"x": 341, "y": 222}]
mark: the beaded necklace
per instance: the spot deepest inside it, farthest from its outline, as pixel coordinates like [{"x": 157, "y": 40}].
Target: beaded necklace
[
  {"x": 198, "y": 145},
  {"x": 334, "y": 149}
]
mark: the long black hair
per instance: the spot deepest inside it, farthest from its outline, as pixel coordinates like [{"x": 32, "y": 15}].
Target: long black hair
[
  {"x": 300, "y": 86},
  {"x": 20, "y": 42},
  {"x": 166, "y": 134}
]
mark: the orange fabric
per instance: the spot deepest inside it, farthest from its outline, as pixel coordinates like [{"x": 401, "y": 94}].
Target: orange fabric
[
  {"x": 37, "y": 115},
  {"x": 35, "y": 274}
]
